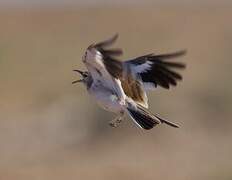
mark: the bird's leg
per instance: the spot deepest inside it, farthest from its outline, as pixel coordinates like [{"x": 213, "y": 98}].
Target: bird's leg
[{"x": 117, "y": 120}]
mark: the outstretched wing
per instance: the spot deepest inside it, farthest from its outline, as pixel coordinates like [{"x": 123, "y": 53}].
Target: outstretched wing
[
  {"x": 157, "y": 70},
  {"x": 108, "y": 56},
  {"x": 103, "y": 60},
  {"x": 103, "y": 65}
]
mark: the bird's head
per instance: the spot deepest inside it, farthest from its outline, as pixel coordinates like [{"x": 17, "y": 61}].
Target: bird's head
[{"x": 84, "y": 75}]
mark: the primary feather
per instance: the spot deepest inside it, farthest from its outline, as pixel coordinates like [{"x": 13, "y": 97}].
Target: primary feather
[{"x": 157, "y": 70}]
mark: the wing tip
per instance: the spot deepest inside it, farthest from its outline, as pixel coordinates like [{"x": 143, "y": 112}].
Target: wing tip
[
  {"x": 107, "y": 42},
  {"x": 171, "y": 55}
]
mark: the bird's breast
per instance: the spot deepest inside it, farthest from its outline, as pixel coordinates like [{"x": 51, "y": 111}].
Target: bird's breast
[{"x": 106, "y": 98}]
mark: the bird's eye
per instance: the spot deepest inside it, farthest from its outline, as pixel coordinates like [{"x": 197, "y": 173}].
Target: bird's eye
[{"x": 85, "y": 74}]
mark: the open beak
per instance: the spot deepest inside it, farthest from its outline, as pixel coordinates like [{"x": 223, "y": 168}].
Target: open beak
[
  {"x": 77, "y": 81},
  {"x": 81, "y": 73}
]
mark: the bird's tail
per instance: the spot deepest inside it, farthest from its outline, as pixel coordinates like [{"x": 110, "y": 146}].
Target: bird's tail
[{"x": 145, "y": 119}]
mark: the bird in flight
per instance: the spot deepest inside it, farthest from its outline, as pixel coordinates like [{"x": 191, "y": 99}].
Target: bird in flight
[{"x": 121, "y": 86}]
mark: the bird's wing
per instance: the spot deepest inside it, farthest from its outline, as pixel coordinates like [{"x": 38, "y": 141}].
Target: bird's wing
[
  {"x": 157, "y": 69},
  {"x": 133, "y": 87},
  {"x": 103, "y": 60},
  {"x": 103, "y": 65}
]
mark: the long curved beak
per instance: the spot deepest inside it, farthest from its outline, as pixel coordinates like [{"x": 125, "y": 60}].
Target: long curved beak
[{"x": 81, "y": 73}]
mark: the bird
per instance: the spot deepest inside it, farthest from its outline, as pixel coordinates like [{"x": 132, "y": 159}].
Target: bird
[{"x": 121, "y": 86}]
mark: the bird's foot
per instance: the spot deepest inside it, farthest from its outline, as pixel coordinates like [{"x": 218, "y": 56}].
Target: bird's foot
[{"x": 116, "y": 121}]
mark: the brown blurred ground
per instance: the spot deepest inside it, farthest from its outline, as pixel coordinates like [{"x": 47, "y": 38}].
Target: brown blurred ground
[{"x": 50, "y": 129}]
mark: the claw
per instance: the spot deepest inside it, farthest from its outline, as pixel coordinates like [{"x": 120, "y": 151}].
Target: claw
[{"x": 116, "y": 121}]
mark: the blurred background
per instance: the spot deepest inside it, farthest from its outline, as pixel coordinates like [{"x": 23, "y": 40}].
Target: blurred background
[{"x": 51, "y": 129}]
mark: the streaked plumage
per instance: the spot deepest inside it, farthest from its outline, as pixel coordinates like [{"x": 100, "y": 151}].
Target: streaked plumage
[{"x": 121, "y": 86}]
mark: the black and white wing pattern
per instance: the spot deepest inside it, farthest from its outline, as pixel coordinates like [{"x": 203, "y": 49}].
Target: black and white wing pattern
[
  {"x": 157, "y": 70},
  {"x": 103, "y": 65},
  {"x": 103, "y": 60}
]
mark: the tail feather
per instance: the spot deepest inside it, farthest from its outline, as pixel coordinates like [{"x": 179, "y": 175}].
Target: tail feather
[
  {"x": 168, "y": 122},
  {"x": 146, "y": 120},
  {"x": 143, "y": 119}
]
